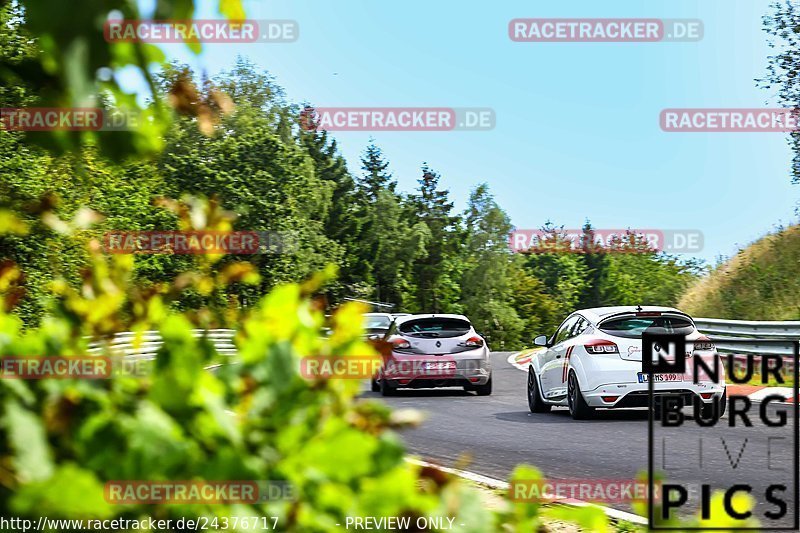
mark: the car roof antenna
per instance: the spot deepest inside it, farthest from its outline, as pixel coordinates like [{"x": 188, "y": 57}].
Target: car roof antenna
[{"x": 638, "y": 308}]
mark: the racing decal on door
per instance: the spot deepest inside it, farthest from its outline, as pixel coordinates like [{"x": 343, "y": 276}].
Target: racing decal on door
[{"x": 564, "y": 370}]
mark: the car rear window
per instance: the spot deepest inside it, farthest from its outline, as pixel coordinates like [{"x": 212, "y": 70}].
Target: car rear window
[
  {"x": 632, "y": 327},
  {"x": 434, "y": 327}
]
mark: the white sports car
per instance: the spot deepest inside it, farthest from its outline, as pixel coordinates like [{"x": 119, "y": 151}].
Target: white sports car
[{"x": 594, "y": 359}]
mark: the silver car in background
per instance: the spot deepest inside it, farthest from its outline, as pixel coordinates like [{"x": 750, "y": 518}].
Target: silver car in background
[
  {"x": 435, "y": 350},
  {"x": 376, "y": 325}
]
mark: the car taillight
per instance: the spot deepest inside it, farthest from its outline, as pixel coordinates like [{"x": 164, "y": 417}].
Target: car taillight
[
  {"x": 703, "y": 343},
  {"x": 473, "y": 342},
  {"x": 401, "y": 344},
  {"x": 601, "y": 346}
]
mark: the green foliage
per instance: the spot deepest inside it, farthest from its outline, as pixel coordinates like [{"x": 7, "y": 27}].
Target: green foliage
[
  {"x": 72, "y": 65},
  {"x": 437, "y": 271},
  {"x": 376, "y": 174},
  {"x": 759, "y": 283},
  {"x": 564, "y": 275},
  {"x": 486, "y": 285},
  {"x": 540, "y": 311},
  {"x": 783, "y": 27},
  {"x": 392, "y": 243},
  {"x": 645, "y": 279},
  {"x": 624, "y": 272}
]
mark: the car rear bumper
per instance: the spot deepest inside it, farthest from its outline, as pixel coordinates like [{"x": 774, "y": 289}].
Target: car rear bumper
[
  {"x": 468, "y": 371},
  {"x": 432, "y": 383},
  {"x": 609, "y": 381},
  {"x": 624, "y": 395}
]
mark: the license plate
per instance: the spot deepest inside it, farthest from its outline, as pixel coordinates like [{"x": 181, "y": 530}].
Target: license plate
[
  {"x": 444, "y": 365},
  {"x": 659, "y": 378}
]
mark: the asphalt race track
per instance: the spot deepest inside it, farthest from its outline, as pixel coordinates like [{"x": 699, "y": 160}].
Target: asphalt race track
[{"x": 498, "y": 432}]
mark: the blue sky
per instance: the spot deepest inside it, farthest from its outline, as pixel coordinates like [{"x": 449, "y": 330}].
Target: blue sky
[{"x": 577, "y": 132}]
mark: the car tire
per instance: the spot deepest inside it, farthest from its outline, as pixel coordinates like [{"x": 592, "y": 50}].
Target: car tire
[
  {"x": 578, "y": 407},
  {"x": 386, "y": 389},
  {"x": 485, "y": 389},
  {"x": 374, "y": 386},
  {"x": 535, "y": 402}
]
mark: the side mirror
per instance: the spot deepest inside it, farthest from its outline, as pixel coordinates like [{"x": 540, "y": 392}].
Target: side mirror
[{"x": 541, "y": 340}]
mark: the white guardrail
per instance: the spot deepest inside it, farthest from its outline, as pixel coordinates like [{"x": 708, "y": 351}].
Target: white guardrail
[
  {"x": 745, "y": 337},
  {"x": 125, "y": 343},
  {"x": 730, "y": 336}
]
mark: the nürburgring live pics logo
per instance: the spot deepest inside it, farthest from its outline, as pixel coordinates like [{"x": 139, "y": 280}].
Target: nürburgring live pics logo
[{"x": 745, "y": 457}]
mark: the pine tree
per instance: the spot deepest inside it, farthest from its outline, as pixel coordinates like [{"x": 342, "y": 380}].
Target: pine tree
[
  {"x": 594, "y": 257},
  {"x": 437, "y": 270},
  {"x": 376, "y": 177},
  {"x": 486, "y": 284},
  {"x": 345, "y": 222}
]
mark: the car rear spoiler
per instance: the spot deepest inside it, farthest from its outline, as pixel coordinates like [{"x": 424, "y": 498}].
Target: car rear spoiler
[{"x": 645, "y": 313}]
